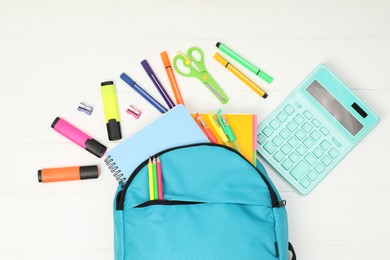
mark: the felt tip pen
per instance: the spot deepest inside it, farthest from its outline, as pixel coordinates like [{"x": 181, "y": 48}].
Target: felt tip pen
[
  {"x": 159, "y": 179},
  {"x": 78, "y": 137},
  {"x": 218, "y": 128},
  {"x": 155, "y": 179},
  {"x": 145, "y": 64},
  {"x": 150, "y": 177},
  {"x": 227, "y": 129},
  {"x": 111, "y": 112},
  {"x": 171, "y": 77},
  {"x": 143, "y": 93},
  {"x": 244, "y": 62},
  {"x": 207, "y": 131},
  {"x": 68, "y": 173},
  {"x": 240, "y": 75}
]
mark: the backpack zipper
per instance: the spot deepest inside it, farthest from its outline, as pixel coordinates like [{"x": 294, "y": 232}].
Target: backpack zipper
[
  {"x": 166, "y": 203},
  {"x": 120, "y": 200}
]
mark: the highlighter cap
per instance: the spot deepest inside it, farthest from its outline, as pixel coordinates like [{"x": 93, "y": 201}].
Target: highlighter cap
[
  {"x": 114, "y": 130},
  {"x": 165, "y": 59},
  {"x": 95, "y": 147}
]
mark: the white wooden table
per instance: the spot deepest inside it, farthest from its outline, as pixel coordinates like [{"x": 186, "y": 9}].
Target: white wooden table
[{"x": 54, "y": 54}]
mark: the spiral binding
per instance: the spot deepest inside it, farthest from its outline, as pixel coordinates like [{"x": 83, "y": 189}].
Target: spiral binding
[{"x": 114, "y": 170}]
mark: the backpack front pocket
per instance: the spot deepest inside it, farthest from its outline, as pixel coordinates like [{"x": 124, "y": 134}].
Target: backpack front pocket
[{"x": 193, "y": 230}]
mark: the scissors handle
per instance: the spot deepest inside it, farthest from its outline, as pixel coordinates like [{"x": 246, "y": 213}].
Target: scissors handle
[
  {"x": 198, "y": 62},
  {"x": 197, "y": 69},
  {"x": 186, "y": 63}
]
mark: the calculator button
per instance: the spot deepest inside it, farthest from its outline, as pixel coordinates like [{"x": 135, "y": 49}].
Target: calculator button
[
  {"x": 325, "y": 145},
  {"x": 312, "y": 175},
  {"x": 326, "y": 160},
  {"x": 307, "y": 114},
  {"x": 267, "y": 131},
  {"x": 299, "y": 170},
  {"x": 316, "y": 123},
  {"x": 333, "y": 153},
  {"x": 310, "y": 159},
  {"x": 277, "y": 141},
  {"x": 261, "y": 139},
  {"x": 305, "y": 182},
  {"x": 324, "y": 130},
  {"x": 336, "y": 142},
  {"x": 289, "y": 109},
  {"x": 315, "y": 135},
  {"x": 301, "y": 149},
  {"x": 285, "y": 149},
  {"x": 269, "y": 147},
  {"x": 318, "y": 152},
  {"x": 274, "y": 124},
  {"x": 308, "y": 142},
  {"x": 300, "y": 134},
  {"x": 278, "y": 156},
  {"x": 287, "y": 164},
  {"x": 292, "y": 126},
  {"x": 281, "y": 116},
  {"x": 319, "y": 168},
  {"x": 293, "y": 141},
  {"x": 299, "y": 119},
  {"x": 294, "y": 157},
  {"x": 307, "y": 127},
  {"x": 284, "y": 134}
]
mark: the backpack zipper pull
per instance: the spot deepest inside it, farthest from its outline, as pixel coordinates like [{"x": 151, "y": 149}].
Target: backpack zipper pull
[{"x": 279, "y": 204}]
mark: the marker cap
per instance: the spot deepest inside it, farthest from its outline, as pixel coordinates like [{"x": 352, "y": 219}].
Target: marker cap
[
  {"x": 114, "y": 130},
  {"x": 94, "y": 147},
  {"x": 146, "y": 66},
  {"x": 165, "y": 59}
]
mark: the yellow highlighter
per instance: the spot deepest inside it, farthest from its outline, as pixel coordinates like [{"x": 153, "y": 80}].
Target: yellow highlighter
[
  {"x": 240, "y": 75},
  {"x": 111, "y": 111},
  {"x": 151, "y": 180},
  {"x": 215, "y": 123}
]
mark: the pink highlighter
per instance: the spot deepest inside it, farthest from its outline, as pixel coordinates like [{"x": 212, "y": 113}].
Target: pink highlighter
[{"x": 78, "y": 137}]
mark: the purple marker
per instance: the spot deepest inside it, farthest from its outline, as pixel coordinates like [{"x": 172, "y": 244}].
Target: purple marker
[
  {"x": 78, "y": 137},
  {"x": 157, "y": 83}
]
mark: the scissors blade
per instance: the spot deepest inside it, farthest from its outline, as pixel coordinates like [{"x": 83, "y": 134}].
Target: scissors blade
[{"x": 216, "y": 93}]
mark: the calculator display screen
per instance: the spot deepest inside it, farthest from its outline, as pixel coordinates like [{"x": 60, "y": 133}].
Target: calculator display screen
[{"x": 334, "y": 107}]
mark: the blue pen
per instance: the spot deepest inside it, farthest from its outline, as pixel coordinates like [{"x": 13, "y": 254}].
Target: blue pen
[
  {"x": 143, "y": 93},
  {"x": 157, "y": 83}
]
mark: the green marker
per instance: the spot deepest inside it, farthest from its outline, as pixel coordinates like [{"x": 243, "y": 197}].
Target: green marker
[
  {"x": 227, "y": 129},
  {"x": 267, "y": 78}
]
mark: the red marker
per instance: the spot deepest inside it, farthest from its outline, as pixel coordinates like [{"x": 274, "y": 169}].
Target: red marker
[
  {"x": 159, "y": 179},
  {"x": 205, "y": 129}
]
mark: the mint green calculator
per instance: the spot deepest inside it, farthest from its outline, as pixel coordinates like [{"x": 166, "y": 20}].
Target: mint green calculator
[{"x": 313, "y": 129}]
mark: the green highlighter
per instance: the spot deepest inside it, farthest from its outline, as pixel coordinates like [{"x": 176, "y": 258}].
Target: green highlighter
[
  {"x": 226, "y": 128},
  {"x": 267, "y": 78}
]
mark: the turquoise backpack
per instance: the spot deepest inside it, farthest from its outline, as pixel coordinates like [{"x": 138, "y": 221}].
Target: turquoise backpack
[{"x": 216, "y": 205}]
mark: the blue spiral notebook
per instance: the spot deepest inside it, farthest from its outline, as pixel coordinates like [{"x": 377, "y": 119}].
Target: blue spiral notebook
[{"x": 174, "y": 128}]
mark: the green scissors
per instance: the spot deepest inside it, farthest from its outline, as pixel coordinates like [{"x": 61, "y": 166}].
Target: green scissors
[{"x": 198, "y": 70}]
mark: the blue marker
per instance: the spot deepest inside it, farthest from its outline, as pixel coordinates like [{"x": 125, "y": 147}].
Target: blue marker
[{"x": 143, "y": 93}]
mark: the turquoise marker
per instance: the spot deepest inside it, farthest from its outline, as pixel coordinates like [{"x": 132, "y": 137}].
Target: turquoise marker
[
  {"x": 267, "y": 78},
  {"x": 226, "y": 128}
]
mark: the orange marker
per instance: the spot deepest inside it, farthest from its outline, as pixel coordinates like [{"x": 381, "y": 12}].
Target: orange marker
[
  {"x": 171, "y": 76},
  {"x": 207, "y": 131},
  {"x": 68, "y": 173}
]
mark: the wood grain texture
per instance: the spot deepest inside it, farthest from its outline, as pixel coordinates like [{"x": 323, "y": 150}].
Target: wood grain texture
[{"x": 54, "y": 54}]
